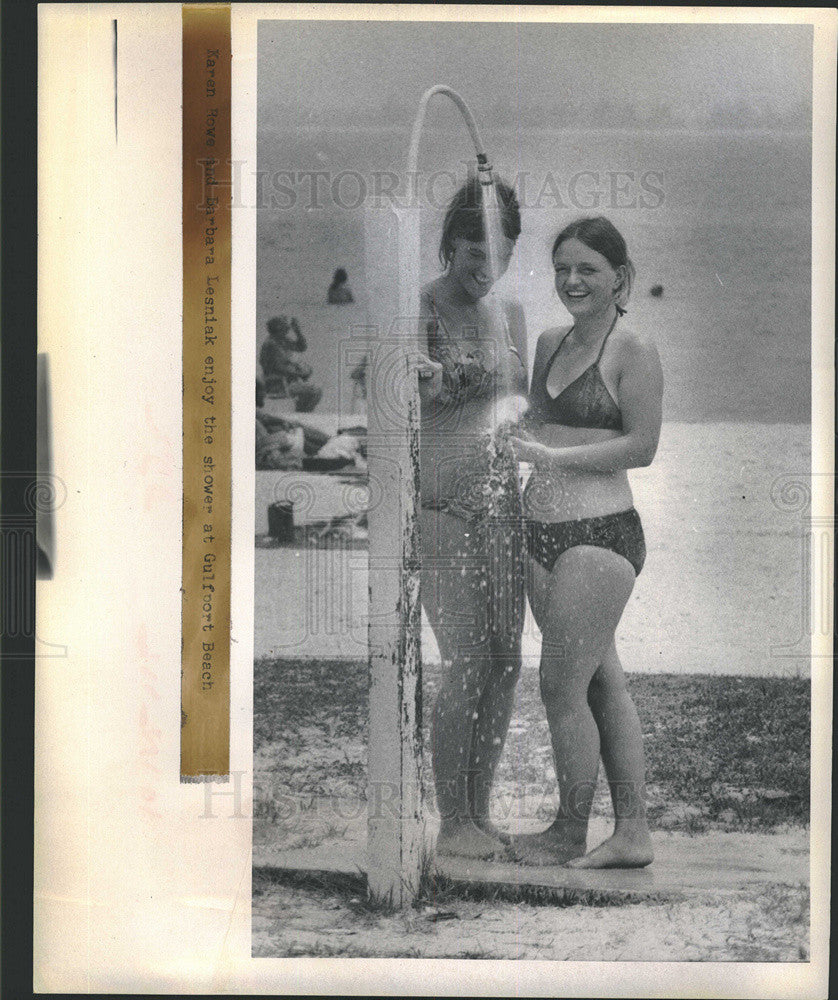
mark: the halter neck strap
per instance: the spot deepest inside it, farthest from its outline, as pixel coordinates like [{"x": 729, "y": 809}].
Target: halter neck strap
[{"x": 602, "y": 346}]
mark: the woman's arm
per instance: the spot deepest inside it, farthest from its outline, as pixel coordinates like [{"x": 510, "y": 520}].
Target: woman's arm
[
  {"x": 431, "y": 387},
  {"x": 444, "y": 387},
  {"x": 640, "y": 397},
  {"x": 299, "y": 343}
]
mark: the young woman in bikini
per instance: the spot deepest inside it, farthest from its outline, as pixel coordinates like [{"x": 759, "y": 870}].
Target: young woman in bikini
[
  {"x": 473, "y": 557},
  {"x": 596, "y": 412}
]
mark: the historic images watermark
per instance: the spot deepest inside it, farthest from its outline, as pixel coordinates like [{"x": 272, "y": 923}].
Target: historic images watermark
[
  {"x": 331, "y": 578},
  {"x": 627, "y": 186},
  {"x": 792, "y": 494},
  {"x": 291, "y": 809},
  {"x": 42, "y": 494}
]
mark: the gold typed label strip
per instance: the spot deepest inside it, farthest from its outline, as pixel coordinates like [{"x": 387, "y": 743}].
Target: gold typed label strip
[{"x": 205, "y": 666}]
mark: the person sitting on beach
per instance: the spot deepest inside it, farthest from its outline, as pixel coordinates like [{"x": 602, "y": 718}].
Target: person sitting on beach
[
  {"x": 281, "y": 444},
  {"x": 277, "y": 446},
  {"x": 596, "y": 397},
  {"x": 284, "y": 376},
  {"x": 339, "y": 291}
]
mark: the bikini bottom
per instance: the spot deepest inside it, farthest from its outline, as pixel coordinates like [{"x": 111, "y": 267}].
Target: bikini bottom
[
  {"x": 621, "y": 533},
  {"x": 476, "y": 501},
  {"x": 474, "y": 570}
]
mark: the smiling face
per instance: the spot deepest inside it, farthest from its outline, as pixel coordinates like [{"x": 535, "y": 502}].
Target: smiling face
[
  {"x": 585, "y": 280},
  {"x": 469, "y": 265}
]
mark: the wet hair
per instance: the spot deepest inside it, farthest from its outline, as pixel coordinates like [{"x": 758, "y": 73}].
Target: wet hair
[
  {"x": 464, "y": 216},
  {"x": 601, "y": 235},
  {"x": 340, "y": 277}
]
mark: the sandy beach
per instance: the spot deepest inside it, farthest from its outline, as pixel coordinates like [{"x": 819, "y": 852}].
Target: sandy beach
[{"x": 722, "y": 591}]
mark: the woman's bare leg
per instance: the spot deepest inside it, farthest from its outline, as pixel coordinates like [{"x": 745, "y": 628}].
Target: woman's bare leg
[
  {"x": 493, "y": 715},
  {"x": 454, "y": 597},
  {"x": 579, "y": 607},
  {"x": 550, "y": 846},
  {"x": 621, "y": 741},
  {"x": 507, "y": 569}
]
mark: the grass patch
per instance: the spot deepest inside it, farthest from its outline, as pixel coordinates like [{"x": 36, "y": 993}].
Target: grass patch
[
  {"x": 327, "y": 883},
  {"x": 728, "y": 753},
  {"x": 735, "y": 748},
  {"x": 350, "y": 890}
]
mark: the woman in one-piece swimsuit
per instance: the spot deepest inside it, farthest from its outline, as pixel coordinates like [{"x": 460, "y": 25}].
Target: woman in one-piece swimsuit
[
  {"x": 471, "y": 521},
  {"x": 595, "y": 398}
]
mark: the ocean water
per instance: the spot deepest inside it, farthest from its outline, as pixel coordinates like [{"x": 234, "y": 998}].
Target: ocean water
[{"x": 721, "y": 220}]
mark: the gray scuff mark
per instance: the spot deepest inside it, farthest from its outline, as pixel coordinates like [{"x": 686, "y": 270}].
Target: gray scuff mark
[{"x": 115, "y": 83}]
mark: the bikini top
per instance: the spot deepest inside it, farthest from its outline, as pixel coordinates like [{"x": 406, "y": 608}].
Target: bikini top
[
  {"x": 586, "y": 402},
  {"x": 464, "y": 374}
]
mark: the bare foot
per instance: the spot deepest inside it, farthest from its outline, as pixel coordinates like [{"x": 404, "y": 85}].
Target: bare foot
[
  {"x": 487, "y": 826},
  {"x": 468, "y": 841},
  {"x": 546, "y": 848},
  {"x": 619, "y": 851}
]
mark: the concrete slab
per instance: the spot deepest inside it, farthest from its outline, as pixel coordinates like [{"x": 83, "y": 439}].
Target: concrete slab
[
  {"x": 702, "y": 865},
  {"x": 705, "y": 864}
]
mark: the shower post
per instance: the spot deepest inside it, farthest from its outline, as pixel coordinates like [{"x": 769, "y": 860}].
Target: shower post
[
  {"x": 394, "y": 797},
  {"x": 395, "y": 826}
]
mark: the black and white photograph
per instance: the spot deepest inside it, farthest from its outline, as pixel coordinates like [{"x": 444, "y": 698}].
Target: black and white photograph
[
  {"x": 534, "y": 524},
  {"x": 492, "y": 655}
]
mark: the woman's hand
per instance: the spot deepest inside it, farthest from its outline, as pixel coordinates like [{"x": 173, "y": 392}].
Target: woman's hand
[
  {"x": 528, "y": 450},
  {"x": 510, "y": 415},
  {"x": 430, "y": 377}
]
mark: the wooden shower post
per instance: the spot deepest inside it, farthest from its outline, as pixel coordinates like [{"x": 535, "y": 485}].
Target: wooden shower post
[{"x": 395, "y": 825}]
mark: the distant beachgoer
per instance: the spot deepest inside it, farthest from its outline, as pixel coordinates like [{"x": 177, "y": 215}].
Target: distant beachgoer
[
  {"x": 339, "y": 291},
  {"x": 471, "y": 526},
  {"x": 281, "y": 444},
  {"x": 278, "y": 445},
  {"x": 284, "y": 376},
  {"x": 358, "y": 375},
  {"x": 595, "y": 399}
]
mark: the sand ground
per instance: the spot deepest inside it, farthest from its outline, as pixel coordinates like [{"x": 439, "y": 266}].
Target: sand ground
[
  {"x": 753, "y": 906},
  {"x": 770, "y": 924}
]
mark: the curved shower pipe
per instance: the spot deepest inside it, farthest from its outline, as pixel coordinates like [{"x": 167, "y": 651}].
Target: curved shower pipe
[{"x": 409, "y": 220}]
